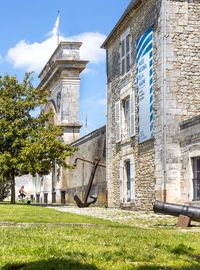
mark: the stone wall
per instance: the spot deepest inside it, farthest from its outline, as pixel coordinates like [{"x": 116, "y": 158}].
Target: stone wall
[
  {"x": 183, "y": 85},
  {"x": 75, "y": 180},
  {"x": 139, "y": 20},
  {"x": 182, "y": 94}
]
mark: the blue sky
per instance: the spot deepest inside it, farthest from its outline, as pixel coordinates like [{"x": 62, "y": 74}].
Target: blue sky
[{"x": 26, "y": 45}]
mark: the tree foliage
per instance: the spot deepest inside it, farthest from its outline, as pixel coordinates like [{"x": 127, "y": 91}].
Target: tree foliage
[
  {"x": 28, "y": 143},
  {"x": 4, "y": 188}
]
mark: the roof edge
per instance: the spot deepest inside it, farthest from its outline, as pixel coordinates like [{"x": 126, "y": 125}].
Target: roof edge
[
  {"x": 133, "y": 4},
  {"x": 87, "y": 137}
]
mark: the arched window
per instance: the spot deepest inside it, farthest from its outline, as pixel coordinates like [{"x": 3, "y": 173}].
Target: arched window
[{"x": 50, "y": 109}]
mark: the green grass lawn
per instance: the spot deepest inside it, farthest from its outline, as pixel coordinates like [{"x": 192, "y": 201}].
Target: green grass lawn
[
  {"x": 51, "y": 244},
  {"x": 29, "y": 213}
]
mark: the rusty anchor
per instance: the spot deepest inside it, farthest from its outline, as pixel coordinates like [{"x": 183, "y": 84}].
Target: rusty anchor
[{"x": 88, "y": 199}]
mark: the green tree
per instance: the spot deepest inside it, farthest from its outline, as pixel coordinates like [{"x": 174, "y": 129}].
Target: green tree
[
  {"x": 28, "y": 144},
  {"x": 4, "y": 188}
]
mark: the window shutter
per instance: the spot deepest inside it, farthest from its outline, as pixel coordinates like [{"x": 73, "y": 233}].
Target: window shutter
[
  {"x": 130, "y": 52},
  {"x": 117, "y": 122},
  {"x": 127, "y": 44},
  {"x": 120, "y": 57},
  {"x": 123, "y": 47},
  {"x": 132, "y": 178},
  {"x": 121, "y": 182},
  {"x": 123, "y": 66},
  {"x": 132, "y": 115}
]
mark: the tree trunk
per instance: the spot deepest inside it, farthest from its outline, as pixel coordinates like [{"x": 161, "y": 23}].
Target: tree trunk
[{"x": 12, "y": 188}]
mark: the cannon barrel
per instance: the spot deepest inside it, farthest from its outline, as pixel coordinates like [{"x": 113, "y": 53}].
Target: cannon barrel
[{"x": 177, "y": 209}]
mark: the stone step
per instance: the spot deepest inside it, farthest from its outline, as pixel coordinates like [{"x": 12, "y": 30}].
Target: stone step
[{"x": 127, "y": 206}]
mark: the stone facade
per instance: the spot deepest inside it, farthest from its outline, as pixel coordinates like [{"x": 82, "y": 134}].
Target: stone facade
[
  {"x": 183, "y": 60},
  {"x": 176, "y": 94}
]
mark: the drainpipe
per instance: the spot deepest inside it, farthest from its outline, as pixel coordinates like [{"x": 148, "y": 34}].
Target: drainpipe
[
  {"x": 83, "y": 178},
  {"x": 107, "y": 152},
  {"x": 164, "y": 101}
]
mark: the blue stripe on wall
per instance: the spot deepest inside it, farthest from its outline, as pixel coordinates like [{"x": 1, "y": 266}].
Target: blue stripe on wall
[
  {"x": 143, "y": 50},
  {"x": 142, "y": 38}
]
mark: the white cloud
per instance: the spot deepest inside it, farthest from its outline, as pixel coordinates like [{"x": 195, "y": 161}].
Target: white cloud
[
  {"x": 33, "y": 56},
  {"x": 90, "y": 49}
]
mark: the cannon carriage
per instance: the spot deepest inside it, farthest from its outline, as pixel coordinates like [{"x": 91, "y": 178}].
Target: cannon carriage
[{"x": 185, "y": 213}]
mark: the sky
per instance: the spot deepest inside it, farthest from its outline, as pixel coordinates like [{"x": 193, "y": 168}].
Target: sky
[{"x": 26, "y": 43}]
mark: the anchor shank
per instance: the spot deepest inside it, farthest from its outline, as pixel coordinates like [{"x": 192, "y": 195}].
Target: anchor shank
[{"x": 89, "y": 186}]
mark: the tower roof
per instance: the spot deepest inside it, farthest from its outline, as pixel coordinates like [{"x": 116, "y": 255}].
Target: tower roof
[{"x": 66, "y": 56}]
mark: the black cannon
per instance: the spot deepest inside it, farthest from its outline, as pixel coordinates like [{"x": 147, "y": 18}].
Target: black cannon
[{"x": 185, "y": 213}]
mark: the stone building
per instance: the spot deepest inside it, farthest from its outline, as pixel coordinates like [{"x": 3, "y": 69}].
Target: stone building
[
  {"x": 153, "y": 97},
  {"x": 61, "y": 76}
]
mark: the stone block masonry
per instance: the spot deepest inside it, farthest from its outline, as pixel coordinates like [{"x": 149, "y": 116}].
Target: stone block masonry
[{"x": 182, "y": 95}]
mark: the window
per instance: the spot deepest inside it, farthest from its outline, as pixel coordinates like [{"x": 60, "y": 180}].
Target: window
[
  {"x": 125, "y": 118},
  {"x": 37, "y": 198},
  {"x": 127, "y": 180},
  {"x": 117, "y": 122},
  {"x": 132, "y": 115},
  {"x": 126, "y": 110},
  {"x": 125, "y": 52},
  {"x": 196, "y": 178},
  {"x": 62, "y": 197},
  {"x": 45, "y": 197}
]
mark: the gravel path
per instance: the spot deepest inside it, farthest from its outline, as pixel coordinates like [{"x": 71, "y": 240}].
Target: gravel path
[
  {"x": 112, "y": 214},
  {"x": 133, "y": 218}
]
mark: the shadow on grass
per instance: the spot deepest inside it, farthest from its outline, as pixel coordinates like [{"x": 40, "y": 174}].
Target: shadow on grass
[
  {"x": 182, "y": 249},
  {"x": 157, "y": 267},
  {"x": 51, "y": 264}
]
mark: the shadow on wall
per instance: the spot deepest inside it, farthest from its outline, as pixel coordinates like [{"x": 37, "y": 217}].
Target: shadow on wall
[{"x": 52, "y": 264}]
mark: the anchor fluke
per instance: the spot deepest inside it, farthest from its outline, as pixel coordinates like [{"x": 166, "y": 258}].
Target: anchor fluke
[{"x": 80, "y": 204}]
